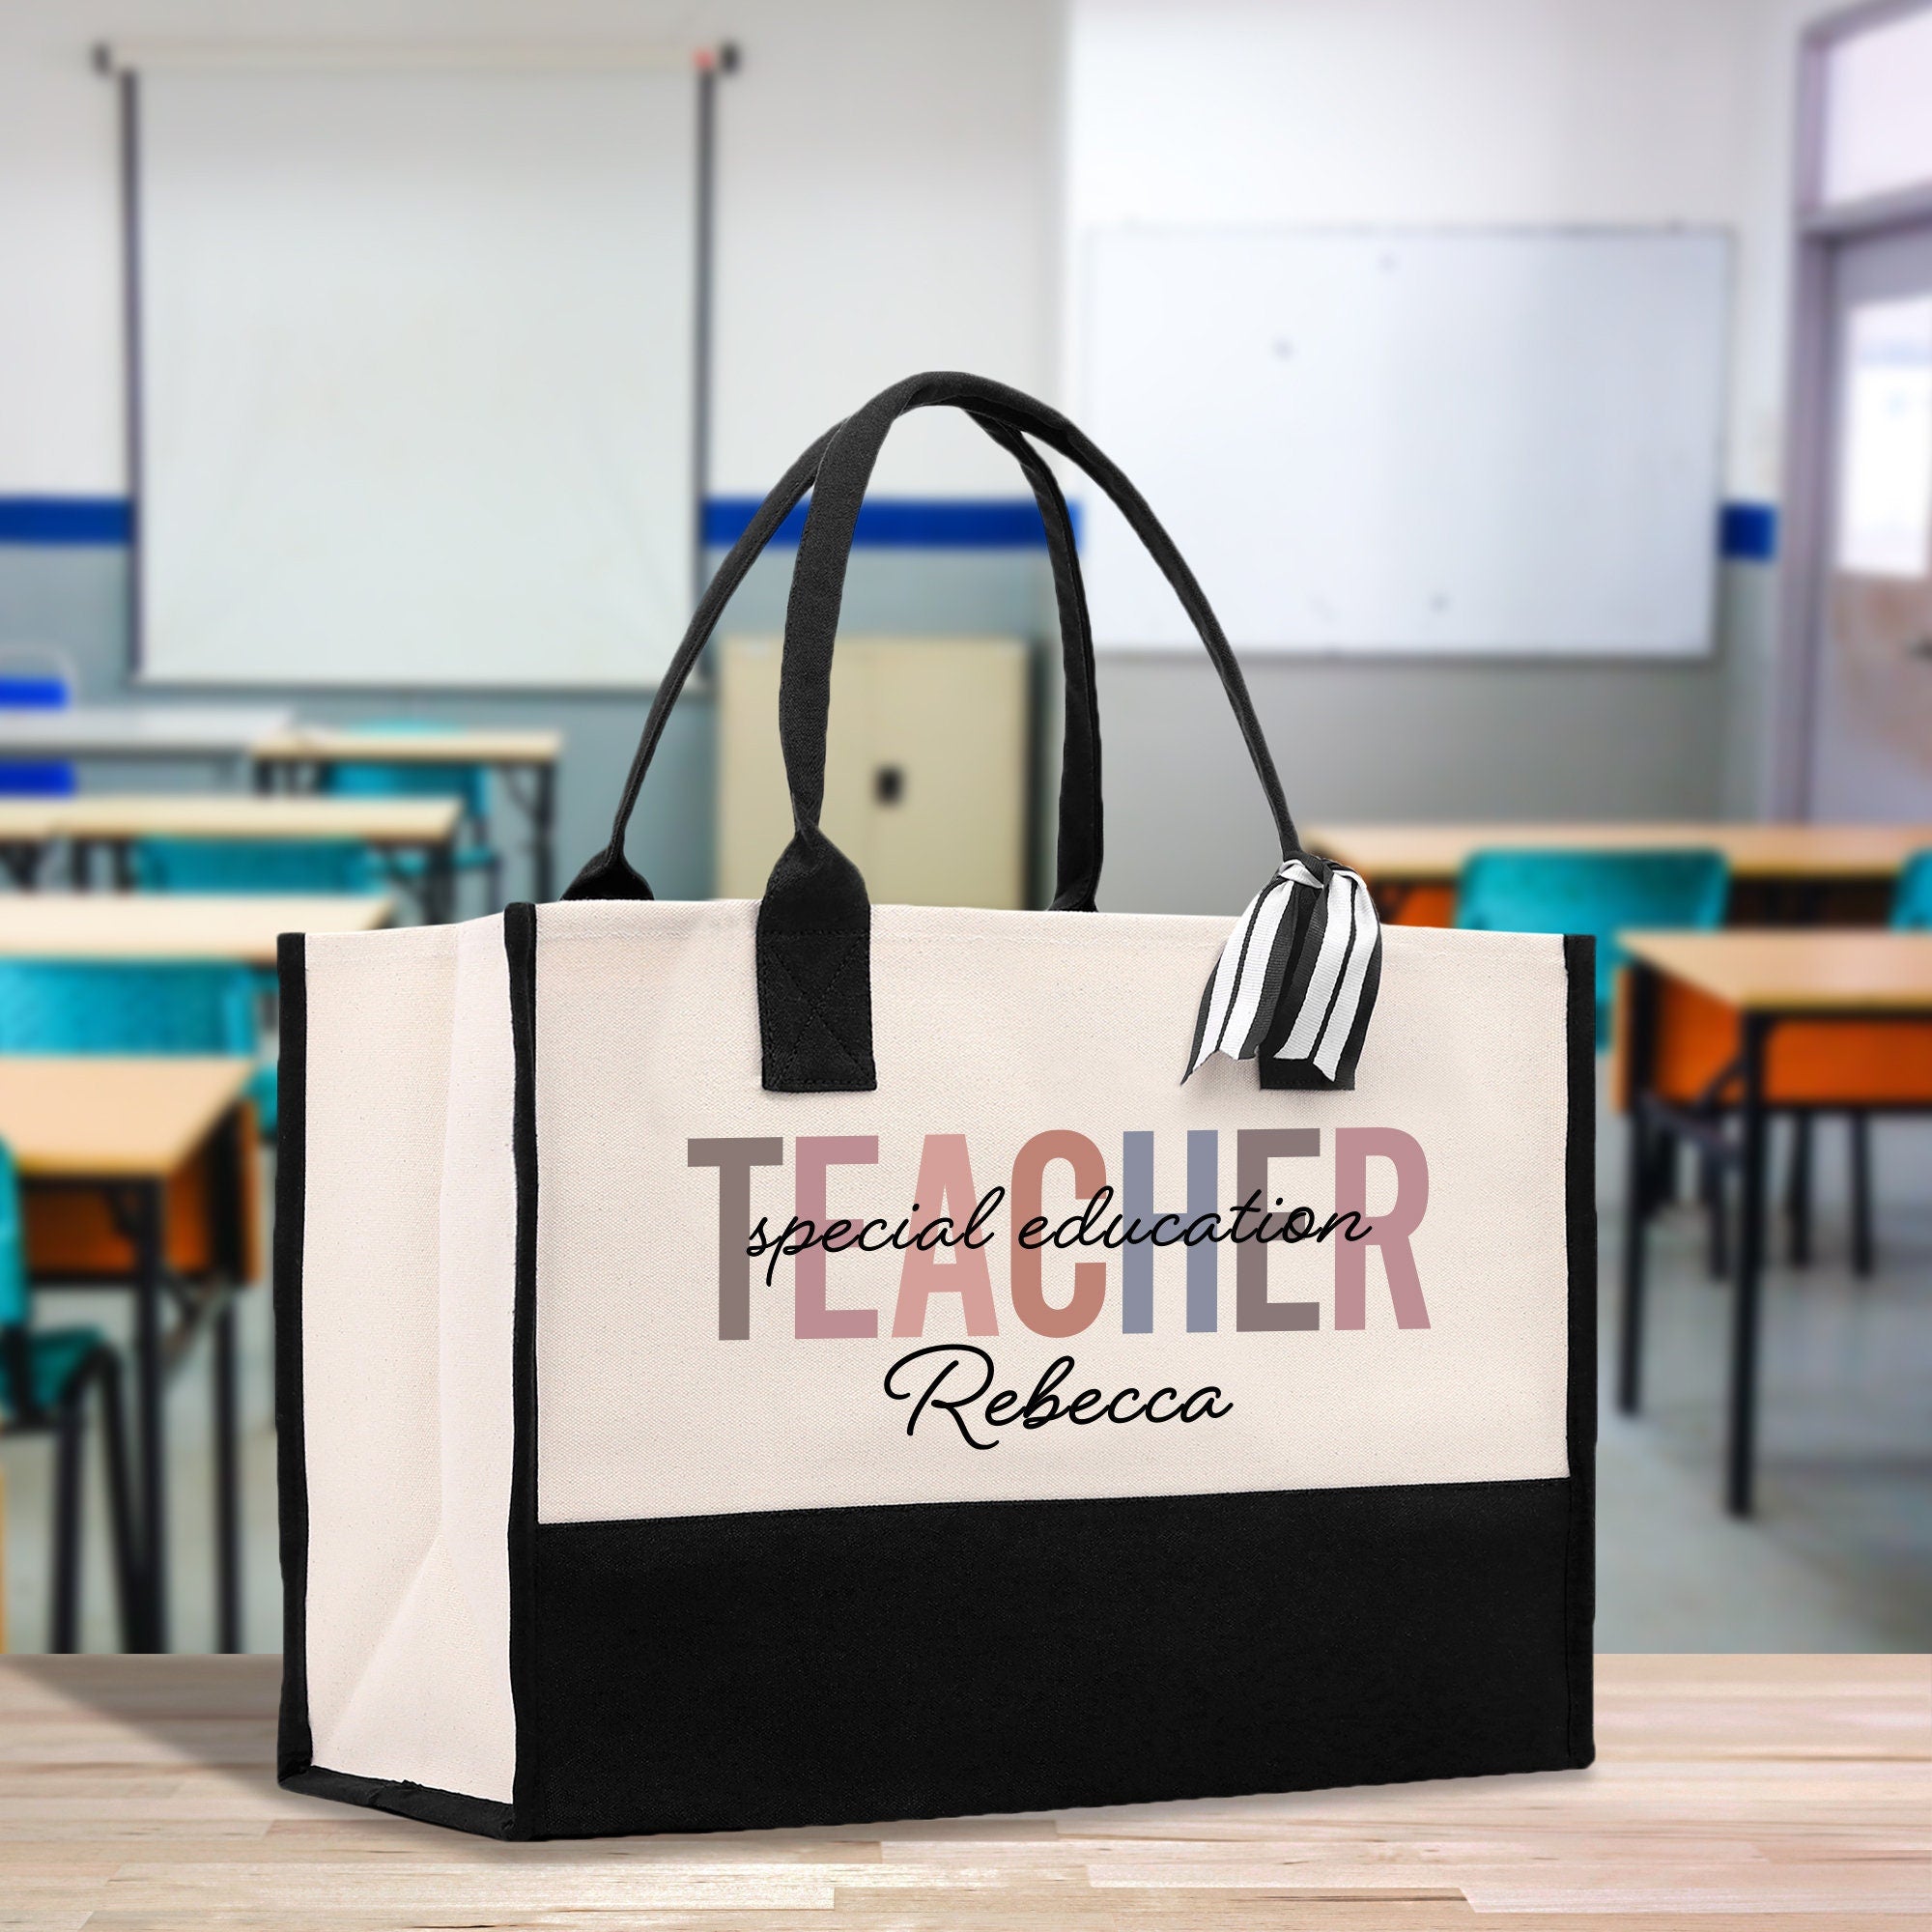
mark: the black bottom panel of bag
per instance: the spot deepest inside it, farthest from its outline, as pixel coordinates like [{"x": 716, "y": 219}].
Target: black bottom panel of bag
[{"x": 725, "y": 1672}]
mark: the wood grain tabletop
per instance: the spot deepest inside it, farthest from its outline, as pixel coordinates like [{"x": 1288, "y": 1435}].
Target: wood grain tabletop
[
  {"x": 136, "y": 1793},
  {"x": 318, "y": 744},
  {"x": 1822, "y": 972},
  {"x": 1438, "y": 853},
  {"x": 177, "y": 925},
  {"x": 98, "y": 1114}
]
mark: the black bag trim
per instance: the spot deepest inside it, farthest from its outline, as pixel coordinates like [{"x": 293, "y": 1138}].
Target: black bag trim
[
  {"x": 295, "y": 1746},
  {"x": 838, "y": 1665},
  {"x": 295, "y": 1767},
  {"x": 1580, "y": 1195},
  {"x": 520, "y": 943},
  {"x": 1427, "y": 1604},
  {"x": 424, "y": 1802}
]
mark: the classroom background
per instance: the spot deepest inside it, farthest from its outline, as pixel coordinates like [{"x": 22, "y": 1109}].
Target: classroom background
[{"x": 1542, "y": 390}]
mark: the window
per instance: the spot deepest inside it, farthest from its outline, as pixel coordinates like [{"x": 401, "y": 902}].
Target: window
[{"x": 1878, "y": 110}]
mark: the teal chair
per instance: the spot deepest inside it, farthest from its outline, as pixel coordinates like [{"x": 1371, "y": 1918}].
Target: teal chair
[
  {"x": 1598, "y": 893},
  {"x": 89, "y": 1006},
  {"x": 1911, "y": 900},
  {"x": 474, "y": 852},
  {"x": 47, "y": 1379},
  {"x": 253, "y": 866}
]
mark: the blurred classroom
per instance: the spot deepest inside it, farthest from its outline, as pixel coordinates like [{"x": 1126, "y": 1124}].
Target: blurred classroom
[{"x": 1541, "y": 389}]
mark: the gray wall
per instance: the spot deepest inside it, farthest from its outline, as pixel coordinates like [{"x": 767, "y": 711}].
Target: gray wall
[{"x": 1186, "y": 827}]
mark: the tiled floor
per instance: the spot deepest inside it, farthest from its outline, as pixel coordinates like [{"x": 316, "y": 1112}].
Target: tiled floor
[{"x": 1838, "y": 1558}]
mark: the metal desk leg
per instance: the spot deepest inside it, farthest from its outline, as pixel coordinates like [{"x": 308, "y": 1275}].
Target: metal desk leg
[
  {"x": 227, "y": 1485},
  {"x": 439, "y": 884},
  {"x": 543, "y": 834},
  {"x": 1747, "y": 1292},
  {"x": 145, "y": 1223},
  {"x": 225, "y": 1243},
  {"x": 1862, "y": 1195},
  {"x": 1798, "y": 1195},
  {"x": 1641, "y": 1048}
]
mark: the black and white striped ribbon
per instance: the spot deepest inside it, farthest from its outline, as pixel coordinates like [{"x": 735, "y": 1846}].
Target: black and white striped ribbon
[{"x": 1296, "y": 980}]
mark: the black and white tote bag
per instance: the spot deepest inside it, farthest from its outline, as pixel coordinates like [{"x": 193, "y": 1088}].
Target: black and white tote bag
[{"x": 760, "y": 1364}]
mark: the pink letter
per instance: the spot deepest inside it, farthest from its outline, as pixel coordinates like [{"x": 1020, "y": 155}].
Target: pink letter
[
  {"x": 814, "y": 1154},
  {"x": 1390, "y": 1230},
  {"x": 945, "y": 1187}
]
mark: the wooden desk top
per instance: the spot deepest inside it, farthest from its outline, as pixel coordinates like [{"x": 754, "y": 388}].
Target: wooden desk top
[
  {"x": 375, "y": 821},
  {"x": 1728, "y": 1789},
  {"x": 320, "y": 745},
  {"x": 175, "y": 926},
  {"x": 1832, "y": 971},
  {"x": 141, "y": 730},
  {"x": 90, "y": 1114},
  {"x": 1434, "y": 854},
  {"x": 142, "y": 1790}
]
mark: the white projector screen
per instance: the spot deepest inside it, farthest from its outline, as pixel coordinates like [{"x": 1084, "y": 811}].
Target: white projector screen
[
  {"x": 1437, "y": 442},
  {"x": 414, "y": 375}
]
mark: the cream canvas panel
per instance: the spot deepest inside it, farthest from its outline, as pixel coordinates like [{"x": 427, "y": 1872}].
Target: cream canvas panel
[
  {"x": 997, "y": 1026},
  {"x": 408, "y": 1300}
]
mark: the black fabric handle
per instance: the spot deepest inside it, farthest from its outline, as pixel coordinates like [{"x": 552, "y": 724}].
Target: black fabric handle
[
  {"x": 818, "y": 578},
  {"x": 815, "y": 920},
  {"x": 610, "y": 874}
]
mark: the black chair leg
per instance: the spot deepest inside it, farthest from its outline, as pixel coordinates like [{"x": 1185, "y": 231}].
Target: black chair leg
[
  {"x": 120, "y": 1497},
  {"x": 1861, "y": 1196},
  {"x": 1798, "y": 1190},
  {"x": 69, "y": 1456},
  {"x": 1717, "y": 1209}
]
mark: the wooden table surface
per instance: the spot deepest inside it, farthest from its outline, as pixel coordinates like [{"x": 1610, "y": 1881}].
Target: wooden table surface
[
  {"x": 1730, "y": 1791},
  {"x": 376, "y": 821},
  {"x": 177, "y": 925},
  {"x": 1436, "y": 854},
  {"x": 141, "y": 730},
  {"x": 1818, "y": 972},
  {"x": 97, "y": 1114},
  {"x": 320, "y": 745}
]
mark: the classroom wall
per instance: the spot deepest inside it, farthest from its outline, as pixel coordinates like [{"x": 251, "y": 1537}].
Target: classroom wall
[
  {"x": 886, "y": 200},
  {"x": 899, "y": 186},
  {"x": 1415, "y": 111}
]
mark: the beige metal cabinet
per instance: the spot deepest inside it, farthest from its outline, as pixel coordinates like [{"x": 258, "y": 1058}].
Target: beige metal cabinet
[{"x": 926, "y": 773}]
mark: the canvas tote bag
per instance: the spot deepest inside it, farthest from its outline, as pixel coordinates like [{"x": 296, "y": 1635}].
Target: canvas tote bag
[{"x": 763, "y": 1364}]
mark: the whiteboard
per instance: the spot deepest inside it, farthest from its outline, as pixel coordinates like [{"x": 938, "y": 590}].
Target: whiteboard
[
  {"x": 1423, "y": 441},
  {"x": 414, "y": 375}
]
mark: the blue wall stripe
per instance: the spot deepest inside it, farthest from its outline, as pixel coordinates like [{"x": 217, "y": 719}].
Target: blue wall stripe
[
  {"x": 65, "y": 520},
  {"x": 1748, "y": 531},
  {"x": 903, "y": 523}
]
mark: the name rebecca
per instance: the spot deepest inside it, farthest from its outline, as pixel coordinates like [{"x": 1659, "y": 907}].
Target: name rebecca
[{"x": 951, "y": 1376}]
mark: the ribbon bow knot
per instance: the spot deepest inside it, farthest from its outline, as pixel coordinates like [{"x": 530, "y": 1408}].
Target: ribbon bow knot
[{"x": 1296, "y": 981}]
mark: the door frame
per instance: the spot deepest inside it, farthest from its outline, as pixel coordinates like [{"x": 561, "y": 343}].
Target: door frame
[{"x": 1818, "y": 232}]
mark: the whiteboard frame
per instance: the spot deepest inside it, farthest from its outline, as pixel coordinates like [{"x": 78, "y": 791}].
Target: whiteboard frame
[
  {"x": 1689, "y": 657},
  {"x": 123, "y": 63}
]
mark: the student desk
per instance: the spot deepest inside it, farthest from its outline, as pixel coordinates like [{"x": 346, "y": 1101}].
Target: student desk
[
  {"x": 27, "y": 829},
  {"x": 1764, "y": 1021},
  {"x": 224, "y": 733},
  {"x": 1728, "y": 1792},
  {"x": 302, "y": 753},
  {"x": 1788, "y": 870},
  {"x": 125, "y": 1130},
  {"x": 422, "y": 825},
  {"x": 176, "y": 926}
]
